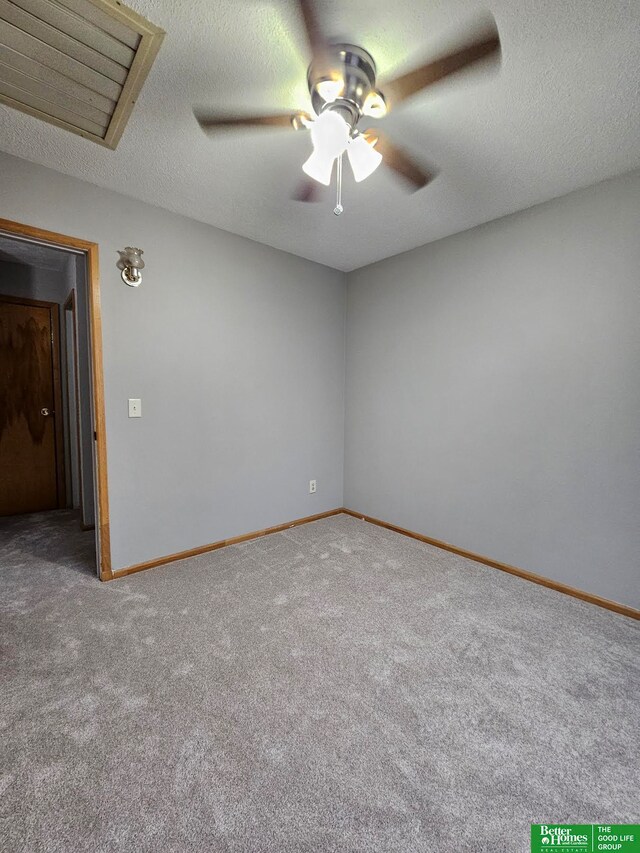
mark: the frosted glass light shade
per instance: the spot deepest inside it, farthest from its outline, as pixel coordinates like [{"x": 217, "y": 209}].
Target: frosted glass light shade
[
  {"x": 363, "y": 157},
  {"x": 329, "y": 90},
  {"x": 330, "y": 137},
  {"x": 135, "y": 257},
  {"x": 319, "y": 167},
  {"x": 130, "y": 257}
]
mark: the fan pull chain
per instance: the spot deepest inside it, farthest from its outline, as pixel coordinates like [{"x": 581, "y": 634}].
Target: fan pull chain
[{"x": 339, "y": 208}]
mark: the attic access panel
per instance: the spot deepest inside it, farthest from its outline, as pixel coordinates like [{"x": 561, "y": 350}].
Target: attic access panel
[{"x": 78, "y": 64}]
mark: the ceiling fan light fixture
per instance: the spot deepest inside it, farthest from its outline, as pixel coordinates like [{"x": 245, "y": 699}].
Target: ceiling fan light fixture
[
  {"x": 319, "y": 167},
  {"x": 375, "y": 105},
  {"x": 343, "y": 84},
  {"x": 330, "y": 137},
  {"x": 363, "y": 157},
  {"x": 330, "y": 89},
  {"x": 301, "y": 121},
  {"x": 330, "y": 133}
]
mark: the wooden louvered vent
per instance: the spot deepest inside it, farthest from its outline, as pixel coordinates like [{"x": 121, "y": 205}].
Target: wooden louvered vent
[{"x": 79, "y": 64}]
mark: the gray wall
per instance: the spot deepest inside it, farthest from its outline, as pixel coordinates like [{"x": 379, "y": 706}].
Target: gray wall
[
  {"x": 493, "y": 390},
  {"x": 493, "y": 381},
  {"x": 237, "y": 351}
]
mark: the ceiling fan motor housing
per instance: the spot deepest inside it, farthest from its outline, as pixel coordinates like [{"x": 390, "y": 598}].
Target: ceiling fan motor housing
[{"x": 352, "y": 65}]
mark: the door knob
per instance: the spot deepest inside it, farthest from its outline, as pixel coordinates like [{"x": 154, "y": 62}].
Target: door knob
[{"x": 46, "y": 412}]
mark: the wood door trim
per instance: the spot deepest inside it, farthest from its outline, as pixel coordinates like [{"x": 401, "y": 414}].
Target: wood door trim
[
  {"x": 90, "y": 249},
  {"x": 223, "y": 543},
  {"x": 56, "y": 379},
  {"x": 70, "y": 305},
  {"x": 589, "y": 597}
]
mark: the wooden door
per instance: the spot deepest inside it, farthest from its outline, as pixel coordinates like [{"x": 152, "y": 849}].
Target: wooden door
[{"x": 31, "y": 441}]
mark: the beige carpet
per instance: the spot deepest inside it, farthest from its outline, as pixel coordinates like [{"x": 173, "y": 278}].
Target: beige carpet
[{"x": 337, "y": 687}]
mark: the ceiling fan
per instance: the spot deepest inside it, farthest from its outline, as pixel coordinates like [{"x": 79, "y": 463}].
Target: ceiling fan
[{"x": 344, "y": 90}]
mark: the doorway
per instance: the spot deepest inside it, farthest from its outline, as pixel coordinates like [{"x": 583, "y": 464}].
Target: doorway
[
  {"x": 31, "y": 431},
  {"x": 52, "y": 437}
]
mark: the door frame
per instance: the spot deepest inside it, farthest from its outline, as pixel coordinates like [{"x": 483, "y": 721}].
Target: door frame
[
  {"x": 70, "y": 305},
  {"x": 56, "y": 377},
  {"x": 90, "y": 250}
]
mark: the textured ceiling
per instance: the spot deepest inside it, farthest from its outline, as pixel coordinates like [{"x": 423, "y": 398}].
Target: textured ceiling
[{"x": 562, "y": 113}]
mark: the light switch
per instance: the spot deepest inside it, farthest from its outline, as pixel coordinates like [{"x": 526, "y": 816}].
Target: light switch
[{"x": 135, "y": 408}]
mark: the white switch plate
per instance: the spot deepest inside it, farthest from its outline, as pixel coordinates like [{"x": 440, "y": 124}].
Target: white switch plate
[
  {"x": 135, "y": 408},
  {"x": 312, "y": 487}
]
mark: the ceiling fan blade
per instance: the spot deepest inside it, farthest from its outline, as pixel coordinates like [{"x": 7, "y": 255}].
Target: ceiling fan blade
[
  {"x": 485, "y": 44},
  {"x": 222, "y": 122},
  {"x": 316, "y": 38},
  {"x": 308, "y": 191},
  {"x": 399, "y": 161}
]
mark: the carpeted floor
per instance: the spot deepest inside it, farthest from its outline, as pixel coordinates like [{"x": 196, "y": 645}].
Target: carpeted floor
[{"x": 337, "y": 687}]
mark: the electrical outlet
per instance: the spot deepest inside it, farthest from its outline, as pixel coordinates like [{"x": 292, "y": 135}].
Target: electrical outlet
[
  {"x": 135, "y": 408},
  {"x": 312, "y": 487}
]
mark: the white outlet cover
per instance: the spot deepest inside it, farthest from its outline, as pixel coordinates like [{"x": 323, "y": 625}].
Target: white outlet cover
[{"x": 135, "y": 408}]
